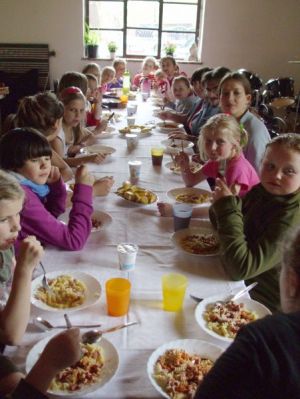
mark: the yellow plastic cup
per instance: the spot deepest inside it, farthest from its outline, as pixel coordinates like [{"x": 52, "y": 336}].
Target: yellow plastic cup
[
  {"x": 173, "y": 289},
  {"x": 117, "y": 296}
]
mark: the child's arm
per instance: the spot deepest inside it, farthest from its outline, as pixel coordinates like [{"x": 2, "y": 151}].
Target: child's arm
[
  {"x": 61, "y": 351},
  {"x": 37, "y": 220},
  {"x": 190, "y": 178},
  {"x": 15, "y": 315},
  {"x": 64, "y": 168}
]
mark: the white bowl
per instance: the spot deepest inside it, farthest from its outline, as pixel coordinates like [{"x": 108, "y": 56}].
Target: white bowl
[
  {"x": 179, "y": 235},
  {"x": 192, "y": 346},
  {"x": 249, "y": 303},
  {"x": 190, "y": 191},
  {"x": 169, "y": 126}
]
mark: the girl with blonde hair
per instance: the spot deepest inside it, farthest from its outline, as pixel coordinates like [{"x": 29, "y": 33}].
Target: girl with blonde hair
[{"x": 221, "y": 144}]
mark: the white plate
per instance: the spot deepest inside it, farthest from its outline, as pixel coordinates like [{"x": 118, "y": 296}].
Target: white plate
[
  {"x": 169, "y": 126},
  {"x": 110, "y": 367},
  {"x": 172, "y": 194},
  {"x": 181, "y": 234},
  {"x": 107, "y": 133},
  {"x": 194, "y": 166},
  {"x": 102, "y": 217},
  {"x": 192, "y": 346},
  {"x": 93, "y": 291},
  {"x": 98, "y": 148},
  {"x": 249, "y": 303},
  {"x": 170, "y": 165}
]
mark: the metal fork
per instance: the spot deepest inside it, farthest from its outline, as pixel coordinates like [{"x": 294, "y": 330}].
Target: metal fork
[{"x": 44, "y": 279}]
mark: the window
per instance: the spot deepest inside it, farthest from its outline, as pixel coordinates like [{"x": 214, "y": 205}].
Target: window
[{"x": 144, "y": 27}]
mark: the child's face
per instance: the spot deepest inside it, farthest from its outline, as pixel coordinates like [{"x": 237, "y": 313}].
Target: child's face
[
  {"x": 148, "y": 67},
  {"x": 280, "y": 170},
  {"x": 74, "y": 113},
  {"x": 181, "y": 90},
  {"x": 168, "y": 68},
  {"x": 120, "y": 69},
  {"x": 218, "y": 147},
  {"x": 233, "y": 99},
  {"x": 94, "y": 71},
  {"x": 92, "y": 88},
  {"x": 9, "y": 221},
  {"x": 107, "y": 77},
  {"x": 36, "y": 169},
  {"x": 211, "y": 92},
  {"x": 199, "y": 90}
]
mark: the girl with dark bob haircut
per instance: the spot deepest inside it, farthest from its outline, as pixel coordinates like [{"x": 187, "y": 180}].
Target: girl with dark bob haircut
[
  {"x": 26, "y": 154},
  {"x": 19, "y": 145}
]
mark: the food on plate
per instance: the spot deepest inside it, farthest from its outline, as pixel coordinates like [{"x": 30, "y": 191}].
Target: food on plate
[
  {"x": 66, "y": 292},
  {"x": 226, "y": 318},
  {"x": 194, "y": 167},
  {"x": 193, "y": 198},
  {"x": 96, "y": 223},
  {"x": 179, "y": 373},
  {"x": 200, "y": 244},
  {"x": 85, "y": 372},
  {"x": 144, "y": 128},
  {"x": 136, "y": 194}
]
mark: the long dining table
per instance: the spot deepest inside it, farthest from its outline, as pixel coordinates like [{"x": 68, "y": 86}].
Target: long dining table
[{"x": 157, "y": 255}]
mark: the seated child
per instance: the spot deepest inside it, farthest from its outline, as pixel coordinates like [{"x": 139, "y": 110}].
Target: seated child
[
  {"x": 92, "y": 68},
  {"x": 107, "y": 76},
  {"x": 220, "y": 143},
  {"x": 26, "y": 154},
  {"x": 119, "y": 66},
  {"x": 183, "y": 93},
  {"x": 15, "y": 276},
  {"x": 161, "y": 84},
  {"x": 79, "y": 80},
  {"x": 149, "y": 67},
  {"x": 44, "y": 112},
  {"x": 94, "y": 101}
]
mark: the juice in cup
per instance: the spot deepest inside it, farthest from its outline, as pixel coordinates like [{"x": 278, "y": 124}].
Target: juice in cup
[
  {"x": 117, "y": 296},
  {"x": 173, "y": 289},
  {"x": 157, "y": 156}
]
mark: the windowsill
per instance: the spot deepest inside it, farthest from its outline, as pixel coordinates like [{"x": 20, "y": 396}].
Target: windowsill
[{"x": 180, "y": 61}]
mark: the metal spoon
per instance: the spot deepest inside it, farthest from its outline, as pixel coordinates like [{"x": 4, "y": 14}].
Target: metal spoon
[
  {"x": 93, "y": 336},
  {"x": 46, "y": 325},
  {"x": 231, "y": 298},
  {"x": 45, "y": 284}
]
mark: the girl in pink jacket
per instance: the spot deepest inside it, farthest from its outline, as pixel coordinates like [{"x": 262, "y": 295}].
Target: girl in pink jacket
[{"x": 26, "y": 154}]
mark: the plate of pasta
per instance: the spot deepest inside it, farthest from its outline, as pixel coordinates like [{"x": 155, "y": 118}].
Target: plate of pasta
[
  {"x": 190, "y": 195},
  {"x": 176, "y": 368},
  {"x": 222, "y": 318},
  {"x": 98, "y": 364},
  {"x": 71, "y": 290},
  {"x": 198, "y": 241}
]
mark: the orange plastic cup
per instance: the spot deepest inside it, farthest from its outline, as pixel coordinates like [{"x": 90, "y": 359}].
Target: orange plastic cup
[{"x": 117, "y": 296}]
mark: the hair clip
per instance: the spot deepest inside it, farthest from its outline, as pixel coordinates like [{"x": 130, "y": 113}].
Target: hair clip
[{"x": 71, "y": 90}]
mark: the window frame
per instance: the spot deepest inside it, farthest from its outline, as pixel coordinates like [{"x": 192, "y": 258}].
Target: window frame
[{"x": 159, "y": 29}]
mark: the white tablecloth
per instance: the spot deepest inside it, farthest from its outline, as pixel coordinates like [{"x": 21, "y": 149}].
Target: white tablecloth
[{"x": 157, "y": 255}]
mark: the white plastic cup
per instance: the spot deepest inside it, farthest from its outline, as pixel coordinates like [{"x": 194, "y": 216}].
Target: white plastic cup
[
  {"x": 131, "y": 140},
  {"x": 134, "y": 107},
  {"x": 182, "y": 214},
  {"x": 131, "y": 110},
  {"x": 127, "y": 256},
  {"x": 130, "y": 120},
  {"x": 145, "y": 95},
  {"x": 134, "y": 170}
]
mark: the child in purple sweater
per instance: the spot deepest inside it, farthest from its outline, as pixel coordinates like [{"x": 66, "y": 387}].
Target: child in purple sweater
[{"x": 26, "y": 154}]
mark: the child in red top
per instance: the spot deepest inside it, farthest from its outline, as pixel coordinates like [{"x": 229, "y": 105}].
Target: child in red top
[{"x": 149, "y": 67}]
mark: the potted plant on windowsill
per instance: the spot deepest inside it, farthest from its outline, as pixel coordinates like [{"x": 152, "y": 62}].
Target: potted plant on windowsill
[
  {"x": 112, "y": 48},
  {"x": 170, "y": 48},
  {"x": 91, "y": 40}
]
